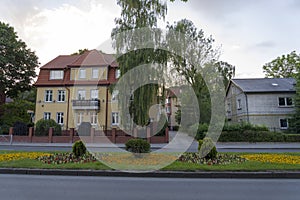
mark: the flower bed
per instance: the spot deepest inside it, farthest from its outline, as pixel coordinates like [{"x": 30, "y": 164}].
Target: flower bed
[
  {"x": 63, "y": 158},
  {"x": 21, "y": 155},
  {"x": 273, "y": 158},
  {"x": 222, "y": 159}
]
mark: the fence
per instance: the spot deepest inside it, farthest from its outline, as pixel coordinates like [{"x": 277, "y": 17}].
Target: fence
[{"x": 95, "y": 136}]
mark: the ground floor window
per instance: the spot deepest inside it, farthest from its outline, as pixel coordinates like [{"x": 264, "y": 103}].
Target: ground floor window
[
  {"x": 115, "y": 118},
  {"x": 79, "y": 118},
  {"x": 284, "y": 124},
  {"x": 47, "y": 115},
  {"x": 60, "y": 118}
]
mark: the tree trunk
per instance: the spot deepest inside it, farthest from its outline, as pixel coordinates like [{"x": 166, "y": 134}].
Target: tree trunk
[{"x": 2, "y": 101}]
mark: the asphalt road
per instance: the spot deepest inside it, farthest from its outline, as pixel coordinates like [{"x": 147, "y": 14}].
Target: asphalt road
[{"x": 37, "y": 187}]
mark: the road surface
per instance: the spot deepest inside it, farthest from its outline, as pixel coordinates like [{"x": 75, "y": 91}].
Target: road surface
[{"x": 37, "y": 187}]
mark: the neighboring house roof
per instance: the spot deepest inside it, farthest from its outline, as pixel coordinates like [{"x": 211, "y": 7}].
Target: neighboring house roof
[{"x": 264, "y": 85}]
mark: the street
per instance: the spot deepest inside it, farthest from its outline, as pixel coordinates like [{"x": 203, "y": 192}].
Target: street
[{"x": 31, "y": 187}]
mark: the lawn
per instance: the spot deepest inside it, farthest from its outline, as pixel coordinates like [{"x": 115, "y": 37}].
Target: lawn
[{"x": 248, "y": 165}]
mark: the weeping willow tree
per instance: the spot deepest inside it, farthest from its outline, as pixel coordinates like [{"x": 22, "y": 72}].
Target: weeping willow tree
[{"x": 128, "y": 42}]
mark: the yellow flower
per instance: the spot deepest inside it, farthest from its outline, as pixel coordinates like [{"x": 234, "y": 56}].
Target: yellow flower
[
  {"x": 21, "y": 155},
  {"x": 273, "y": 158}
]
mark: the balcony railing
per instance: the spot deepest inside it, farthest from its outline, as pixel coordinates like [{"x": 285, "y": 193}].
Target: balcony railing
[{"x": 93, "y": 104}]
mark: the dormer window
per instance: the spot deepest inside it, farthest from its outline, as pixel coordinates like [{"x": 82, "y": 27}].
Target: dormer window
[
  {"x": 82, "y": 73},
  {"x": 56, "y": 74}
]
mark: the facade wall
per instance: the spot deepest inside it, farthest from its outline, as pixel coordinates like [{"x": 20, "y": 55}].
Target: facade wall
[{"x": 257, "y": 108}]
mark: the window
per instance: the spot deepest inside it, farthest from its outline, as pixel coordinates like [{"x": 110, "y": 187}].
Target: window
[
  {"x": 79, "y": 118},
  {"x": 228, "y": 108},
  {"x": 81, "y": 94},
  {"x": 94, "y": 94},
  {"x": 285, "y": 101},
  {"x": 168, "y": 110},
  {"x": 118, "y": 73},
  {"x": 239, "y": 104},
  {"x": 82, "y": 73},
  {"x": 168, "y": 100},
  {"x": 47, "y": 115},
  {"x": 93, "y": 118},
  {"x": 115, "y": 118},
  {"x": 114, "y": 95},
  {"x": 48, "y": 96},
  {"x": 283, "y": 123},
  {"x": 95, "y": 73},
  {"x": 56, "y": 74},
  {"x": 60, "y": 118},
  {"x": 61, "y": 96}
]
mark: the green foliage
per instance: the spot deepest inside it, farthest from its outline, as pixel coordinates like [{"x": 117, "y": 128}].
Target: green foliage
[
  {"x": 207, "y": 148},
  {"x": 17, "y": 63},
  {"x": 20, "y": 128},
  {"x": 78, "y": 148},
  {"x": 227, "y": 70},
  {"x": 240, "y": 127},
  {"x": 13, "y": 112},
  {"x": 42, "y": 127},
  {"x": 251, "y": 136},
  {"x": 285, "y": 66},
  {"x": 137, "y": 146},
  {"x": 178, "y": 116},
  {"x": 294, "y": 121},
  {"x": 80, "y": 52}
]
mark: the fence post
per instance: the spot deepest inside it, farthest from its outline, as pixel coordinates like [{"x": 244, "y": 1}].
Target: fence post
[
  {"x": 71, "y": 134},
  {"x": 167, "y": 135},
  {"x": 11, "y": 132},
  {"x": 148, "y": 134},
  {"x": 92, "y": 134},
  {"x": 113, "y": 133},
  {"x": 30, "y": 134},
  {"x": 50, "y": 135}
]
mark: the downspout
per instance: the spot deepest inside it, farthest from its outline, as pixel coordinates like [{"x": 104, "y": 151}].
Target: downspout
[
  {"x": 106, "y": 109},
  {"x": 247, "y": 108},
  {"x": 68, "y": 103}
]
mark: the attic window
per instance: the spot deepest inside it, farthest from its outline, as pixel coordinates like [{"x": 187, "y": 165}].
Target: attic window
[
  {"x": 275, "y": 84},
  {"x": 56, "y": 74}
]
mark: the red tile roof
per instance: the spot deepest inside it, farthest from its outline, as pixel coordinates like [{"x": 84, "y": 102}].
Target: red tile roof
[{"x": 60, "y": 62}]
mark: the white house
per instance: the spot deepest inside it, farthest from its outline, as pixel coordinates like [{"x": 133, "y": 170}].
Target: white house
[{"x": 261, "y": 101}]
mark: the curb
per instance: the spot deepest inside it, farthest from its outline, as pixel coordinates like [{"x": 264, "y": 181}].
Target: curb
[{"x": 157, "y": 174}]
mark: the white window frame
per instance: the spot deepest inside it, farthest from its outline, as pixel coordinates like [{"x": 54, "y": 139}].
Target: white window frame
[
  {"x": 79, "y": 118},
  {"x": 47, "y": 115},
  {"x": 95, "y": 73},
  {"x": 114, "y": 95},
  {"x": 60, "y": 118},
  {"x": 93, "y": 118},
  {"x": 81, "y": 94},
  {"x": 115, "y": 118},
  {"x": 93, "y": 92},
  {"x": 82, "y": 74},
  {"x": 287, "y": 124},
  {"x": 168, "y": 109},
  {"x": 48, "y": 95},
  {"x": 61, "y": 96},
  {"x": 56, "y": 74},
  {"x": 117, "y": 73},
  {"x": 239, "y": 104},
  {"x": 285, "y": 102}
]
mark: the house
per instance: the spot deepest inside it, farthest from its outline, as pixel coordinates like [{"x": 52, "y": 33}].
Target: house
[
  {"x": 172, "y": 105},
  {"x": 75, "y": 88},
  {"x": 261, "y": 101}
]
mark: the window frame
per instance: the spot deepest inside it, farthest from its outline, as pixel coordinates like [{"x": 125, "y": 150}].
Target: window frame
[
  {"x": 239, "y": 104},
  {"x": 82, "y": 74},
  {"x": 91, "y": 93},
  {"x": 115, "y": 118},
  {"x": 48, "y": 97},
  {"x": 60, "y": 118},
  {"x": 79, "y": 116},
  {"x": 280, "y": 123},
  {"x": 95, "y": 69},
  {"x": 47, "y": 115},
  {"x": 286, "y": 100},
  {"x": 82, "y": 97},
  {"x": 117, "y": 73},
  {"x": 114, "y": 96},
  {"x": 93, "y": 118},
  {"x": 56, "y": 75},
  {"x": 61, "y": 94}
]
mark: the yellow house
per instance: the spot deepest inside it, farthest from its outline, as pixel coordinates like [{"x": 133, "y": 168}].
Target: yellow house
[{"x": 75, "y": 88}]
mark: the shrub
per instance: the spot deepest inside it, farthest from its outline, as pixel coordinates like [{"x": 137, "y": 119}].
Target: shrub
[
  {"x": 78, "y": 148},
  {"x": 20, "y": 128},
  {"x": 137, "y": 146},
  {"x": 292, "y": 137},
  {"x": 251, "y": 136},
  {"x": 208, "y": 149},
  {"x": 42, "y": 127},
  {"x": 84, "y": 129}
]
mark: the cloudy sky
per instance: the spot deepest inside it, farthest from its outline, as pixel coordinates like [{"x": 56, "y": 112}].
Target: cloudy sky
[{"x": 250, "y": 33}]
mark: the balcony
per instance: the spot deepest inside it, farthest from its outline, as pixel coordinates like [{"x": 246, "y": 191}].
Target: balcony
[{"x": 93, "y": 104}]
